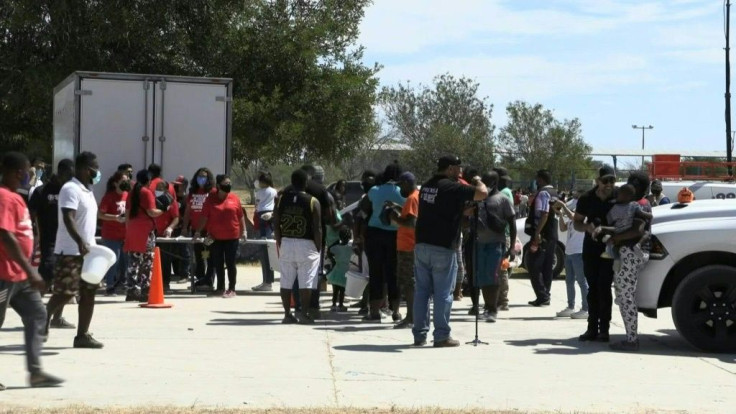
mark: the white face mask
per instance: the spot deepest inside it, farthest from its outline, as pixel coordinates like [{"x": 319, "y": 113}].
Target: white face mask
[{"x": 159, "y": 193}]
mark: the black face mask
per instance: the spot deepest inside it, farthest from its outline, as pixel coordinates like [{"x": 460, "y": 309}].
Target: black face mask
[
  {"x": 124, "y": 186},
  {"x": 226, "y": 188},
  {"x": 366, "y": 185}
]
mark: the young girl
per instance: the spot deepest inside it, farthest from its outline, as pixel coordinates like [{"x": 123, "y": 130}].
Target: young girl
[{"x": 340, "y": 252}]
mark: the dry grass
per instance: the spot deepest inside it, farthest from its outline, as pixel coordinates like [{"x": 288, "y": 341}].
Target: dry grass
[{"x": 78, "y": 409}]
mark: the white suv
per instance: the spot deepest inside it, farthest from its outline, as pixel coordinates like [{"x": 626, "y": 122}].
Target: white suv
[{"x": 692, "y": 269}]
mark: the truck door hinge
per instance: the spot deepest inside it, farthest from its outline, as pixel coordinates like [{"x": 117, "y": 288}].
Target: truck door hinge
[
  {"x": 83, "y": 92},
  {"x": 162, "y": 84}
]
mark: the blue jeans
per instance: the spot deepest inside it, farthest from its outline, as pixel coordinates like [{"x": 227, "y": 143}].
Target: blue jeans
[
  {"x": 574, "y": 273},
  {"x": 116, "y": 273},
  {"x": 435, "y": 269}
]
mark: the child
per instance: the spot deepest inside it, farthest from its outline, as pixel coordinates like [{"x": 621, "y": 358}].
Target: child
[
  {"x": 621, "y": 218},
  {"x": 341, "y": 252}
]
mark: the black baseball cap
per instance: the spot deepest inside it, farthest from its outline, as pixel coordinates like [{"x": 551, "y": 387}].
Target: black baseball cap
[
  {"x": 447, "y": 161},
  {"x": 606, "y": 171}
]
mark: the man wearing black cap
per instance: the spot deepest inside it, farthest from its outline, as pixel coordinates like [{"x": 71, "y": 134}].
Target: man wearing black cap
[
  {"x": 441, "y": 203},
  {"x": 591, "y": 211}
]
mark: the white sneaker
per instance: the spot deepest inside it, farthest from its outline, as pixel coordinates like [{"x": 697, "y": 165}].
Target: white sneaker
[
  {"x": 263, "y": 287},
  {"x": 565, "y": 313},
  {"x": 581, "y": 314}
]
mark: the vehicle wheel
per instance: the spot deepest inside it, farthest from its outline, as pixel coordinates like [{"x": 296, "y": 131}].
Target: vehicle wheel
[
  {"x": 559, "y": 263},
  {"x": 704, "y": 308},
  {"x": 525, "y": 256}
]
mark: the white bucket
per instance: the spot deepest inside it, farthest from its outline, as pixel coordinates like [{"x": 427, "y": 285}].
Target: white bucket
[
  {"x": 96, "y": 263},
  {"x": 356, "y": 284}
]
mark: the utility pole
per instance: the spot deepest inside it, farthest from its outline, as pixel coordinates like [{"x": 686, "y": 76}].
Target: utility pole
[
  {"x": 729, "y": 147},
  {"x": 642, "y": 140}
]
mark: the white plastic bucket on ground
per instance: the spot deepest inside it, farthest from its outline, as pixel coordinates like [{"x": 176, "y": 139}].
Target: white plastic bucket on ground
[
  {"x": 356, "y": 284},
  {"x": 96, "y": 263}
]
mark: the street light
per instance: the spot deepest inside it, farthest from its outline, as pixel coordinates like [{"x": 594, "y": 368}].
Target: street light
[{"x": 642, "y": 140}]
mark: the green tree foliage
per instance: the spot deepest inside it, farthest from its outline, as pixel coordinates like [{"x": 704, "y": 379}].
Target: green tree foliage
[
  {"x": 447, "y": 118},
  {"x": 534, "y": 139},
  {"x": 300, "y": 88}
]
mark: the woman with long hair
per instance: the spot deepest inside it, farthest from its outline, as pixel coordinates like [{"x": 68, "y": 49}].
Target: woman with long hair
[
  {"x": 112, "y": 214},
  {"x": 223, "y": 217},
  {"x": 140, "y": 238},
  {"x": 201, "y": 187}
]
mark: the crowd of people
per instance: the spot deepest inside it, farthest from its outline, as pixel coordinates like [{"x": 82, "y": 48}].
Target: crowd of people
[{"x": 418, "y": 243}]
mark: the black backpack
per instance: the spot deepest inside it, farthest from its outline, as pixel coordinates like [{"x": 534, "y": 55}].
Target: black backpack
[
  {"x": 529, "y": 224},
  {"x": 489, "y": 223}
]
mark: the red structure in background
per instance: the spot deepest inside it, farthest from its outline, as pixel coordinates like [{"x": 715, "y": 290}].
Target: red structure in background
[{"x": 670, "y": 167}]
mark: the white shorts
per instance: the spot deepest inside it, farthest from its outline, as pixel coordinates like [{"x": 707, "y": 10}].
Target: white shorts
[{"x": 298, "y": 259}]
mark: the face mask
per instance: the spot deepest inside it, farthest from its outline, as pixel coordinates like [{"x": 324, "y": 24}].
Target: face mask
[
  {"x": 202, "y": 181},
  {"x": 159, "y": 193},
  {"x": 26, "y": 180},
  {"x": 124, "y": 186},
  {"x": 39, "y": 174},
  {"x": 225, "y": 188},
  {"x": 95, "y": 176}
]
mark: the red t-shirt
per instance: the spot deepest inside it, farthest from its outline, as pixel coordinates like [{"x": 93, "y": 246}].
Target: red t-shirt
[
  {"x": 163, "y": 221},
  {"x": 14, "y": 218},
  {"x": 139, "y": 227},
  {"x": 195, "y": 203},
  {"x": 113, "y": 203},
  {"x": 223, "y": 217}
]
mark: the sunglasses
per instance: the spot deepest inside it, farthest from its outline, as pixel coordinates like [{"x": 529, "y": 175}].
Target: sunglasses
[{"x": 608, "y": 180}]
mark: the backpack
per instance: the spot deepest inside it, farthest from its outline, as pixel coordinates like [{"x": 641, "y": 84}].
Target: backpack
[
  {"x": 489, "y": 223},
  {"x": 529, "y": 224}
]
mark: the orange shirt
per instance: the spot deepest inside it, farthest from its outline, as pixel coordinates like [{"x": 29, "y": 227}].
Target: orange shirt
[{"x": 405, "y": 239}]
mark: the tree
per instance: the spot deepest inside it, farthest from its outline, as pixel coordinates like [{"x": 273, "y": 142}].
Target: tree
[
  {"x": 447, "y": 118},
  {"x": 300, "y": 87},
  {"x": 534, "y": 139}
]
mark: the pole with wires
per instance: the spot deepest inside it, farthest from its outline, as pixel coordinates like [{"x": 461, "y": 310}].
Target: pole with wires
[
  {"x": 729, "y": 146},
  {"x": 476, "y": 289}
]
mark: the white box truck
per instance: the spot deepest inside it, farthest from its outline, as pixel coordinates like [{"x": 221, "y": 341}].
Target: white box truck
[{"x": 180, "y": 123}]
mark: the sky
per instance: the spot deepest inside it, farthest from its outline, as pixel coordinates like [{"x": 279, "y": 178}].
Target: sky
[{"x": 609, "y": 63}]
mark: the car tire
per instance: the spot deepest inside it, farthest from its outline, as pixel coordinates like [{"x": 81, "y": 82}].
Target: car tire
[
  {"x": 559, "y": 260},
  {"x": 559, "y": 263},
  {"x": 704, "y": 308}
]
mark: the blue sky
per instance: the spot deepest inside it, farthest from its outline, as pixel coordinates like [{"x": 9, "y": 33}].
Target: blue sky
[{"x": 610, "y": 63}]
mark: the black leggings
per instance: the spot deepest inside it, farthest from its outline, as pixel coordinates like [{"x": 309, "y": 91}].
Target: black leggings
[
  {"x": 223, "y": 254},
  {"x": 380, "y": 247},
  {"x": 338, "y": 295}
]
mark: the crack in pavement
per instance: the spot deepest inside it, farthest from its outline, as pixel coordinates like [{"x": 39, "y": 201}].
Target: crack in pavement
[{"x": 331, "y": 360}]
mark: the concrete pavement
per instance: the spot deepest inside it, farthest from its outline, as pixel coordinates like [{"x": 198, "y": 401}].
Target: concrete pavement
[{"x": 218, "y": 352}]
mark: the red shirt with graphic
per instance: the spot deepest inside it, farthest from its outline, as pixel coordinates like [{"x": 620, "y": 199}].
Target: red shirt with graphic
[
  {"x": 195, "y": 203},
  {"x": 223, "y": 217},
  {"x": 113, "y": 203},
  {"x": 14, "y": 219},
  {"x": 139, "y": 227}
]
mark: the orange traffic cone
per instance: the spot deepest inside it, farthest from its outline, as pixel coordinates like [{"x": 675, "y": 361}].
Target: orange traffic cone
[{"x": 156, "y": 290}]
